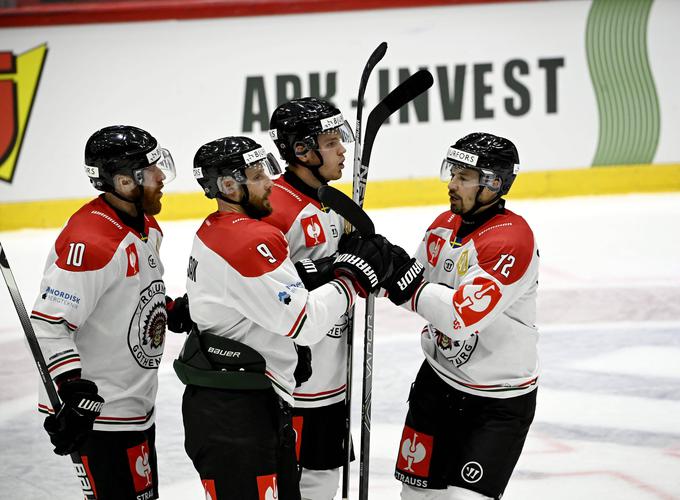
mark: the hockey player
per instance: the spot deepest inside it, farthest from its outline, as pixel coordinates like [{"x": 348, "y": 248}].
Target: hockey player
[
  {"x": 310, "y": 135},
  {"x": 474, "y": 397},
  {"x": 251, "y": 310},
  {"x": 100, "y": 317}
]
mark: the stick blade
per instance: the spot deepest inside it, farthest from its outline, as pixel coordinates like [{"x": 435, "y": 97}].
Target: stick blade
[
  {"x": 408, "y": 90},
  {"x": 343, "y": 204}
]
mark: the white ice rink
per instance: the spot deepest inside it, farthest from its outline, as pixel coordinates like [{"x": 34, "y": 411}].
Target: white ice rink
[{"x": 608, "y": 418}]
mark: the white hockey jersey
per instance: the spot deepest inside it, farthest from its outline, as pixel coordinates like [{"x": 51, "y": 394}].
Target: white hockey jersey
[
  {"x": 242, "y": 285},
  {"x": 480, "y": 299},
  {"x": 101, "y": 309},
  {"x": 313, "y": 232}
]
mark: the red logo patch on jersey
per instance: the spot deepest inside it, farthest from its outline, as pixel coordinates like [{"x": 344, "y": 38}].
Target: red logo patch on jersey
[
  {"x": 267, "y": 487},
  {"x": 474, "y": 300},
  {"x": 209, "y": 487},
  {"x": 132, "y": 260},
  {"x": 138, "y": 456},
  {"x": 314, "y": 234},
  {"x": 434, "y": 248},
  {"x": 298, "y": 421},
  {"x": 415, "y": 452}
]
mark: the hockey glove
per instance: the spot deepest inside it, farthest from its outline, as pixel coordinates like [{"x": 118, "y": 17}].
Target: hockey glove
[
  {"x": 303, "y": 369},
  {"x": 367, "y": 261},
  {"x": 407, "y": 276},
  {"x": 69, "y": 428},
  {"x": 315, "y": 273},
  {"x": 179, "y": 320}
]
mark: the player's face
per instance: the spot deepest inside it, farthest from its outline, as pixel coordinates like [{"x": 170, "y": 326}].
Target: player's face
[
  {"x": 463, "y": 188},
  {"x": 153, "y": 186},
  {"x": 259, "y": 188},
  {"x": 333, "y": 152}
]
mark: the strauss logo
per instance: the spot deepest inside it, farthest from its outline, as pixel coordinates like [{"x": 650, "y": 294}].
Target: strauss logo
[
  {"x": 142, "y": 466},
  {"x": 412, "y": 452}
]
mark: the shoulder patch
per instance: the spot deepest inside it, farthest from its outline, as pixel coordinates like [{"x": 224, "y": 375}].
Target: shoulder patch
[
  {"x": 505, "y": 247},
  {"x": 90, "y": 239},
  {"x": 250, "y": 246}
]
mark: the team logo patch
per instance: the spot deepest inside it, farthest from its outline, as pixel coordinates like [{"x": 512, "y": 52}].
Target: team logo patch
[
  {"x": 472, "y": 472},
  {"x": 140, "y": 468},
  {"x": 146, "y": 333},
  {"x": 457, "y": 352},
  {"x": 463, "y": 263},
  {"x": 415, "y": 452},
  {"x": 209, "y": 488},
  {"x": 313, "y": 231},
  {"x": 338, "y": 328},
  {"x": 434, "y": 248},
  {"x": 267, "y": 487},
  {"x": 284, "y": 297},
  {"x": 474, "y": 300},
  {"x": 19, "y": 77},
  {"x": 298, "y": 422},
  {"x": 132, "y": 260}
]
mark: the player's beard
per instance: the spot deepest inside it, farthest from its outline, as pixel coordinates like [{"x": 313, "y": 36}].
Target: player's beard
[
  {"x": 258, "y": 208},
  {"x": 151, "y": 201}
]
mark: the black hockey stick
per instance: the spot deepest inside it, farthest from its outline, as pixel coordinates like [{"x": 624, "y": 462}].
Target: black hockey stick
[
  {"x": 372, "y": 62},
  {"x": 408, "y": 90},
  {"x": 345, "y": 206},
  {"x": 13, "y": 289}
]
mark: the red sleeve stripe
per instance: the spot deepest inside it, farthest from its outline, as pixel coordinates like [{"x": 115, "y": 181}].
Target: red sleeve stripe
[
  {"x": 485, "y": 388},
  {"x": 342, "y": 284},
  {"x": 54, "y": 368},
  {"x": 299, "y": 322},
  {"x": 416, "y": 296},
  {"x": 55, "y": 320}
]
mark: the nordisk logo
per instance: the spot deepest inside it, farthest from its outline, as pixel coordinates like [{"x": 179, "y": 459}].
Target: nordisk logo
[
  {"x": 19, "y": 77},
  {"x": 61, "y": 297}
]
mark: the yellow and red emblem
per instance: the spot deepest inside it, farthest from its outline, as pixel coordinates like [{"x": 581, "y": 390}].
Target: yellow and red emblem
[{"x": 19, "y": 77}]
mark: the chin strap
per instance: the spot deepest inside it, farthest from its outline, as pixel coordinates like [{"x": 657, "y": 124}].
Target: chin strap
[
  {"x": 137, "y": 202},
  {"x": 478, "y": 205},
  {"x": 314, "y": 169}
]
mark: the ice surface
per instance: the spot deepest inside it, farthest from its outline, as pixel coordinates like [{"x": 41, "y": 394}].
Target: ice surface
[{"x": 608, "y": 417}]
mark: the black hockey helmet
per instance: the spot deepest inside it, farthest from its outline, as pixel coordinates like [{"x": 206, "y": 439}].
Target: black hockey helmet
[
  {"x": 495, "y": 158},
  {"x": 299, "y": 123},
  {"x": 126, "y": 150},
  {"x": 230, "y": 156}
]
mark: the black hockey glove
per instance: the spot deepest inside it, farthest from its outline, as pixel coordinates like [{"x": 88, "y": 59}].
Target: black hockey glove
[
  {"x": 303, "y": 369},
  {"x": 315, "y": 273},
  {"x": 68, "y": 429},
  {"x": 179, "y": 320},
  {"x": 367, "y": 261},
  {"x": 407, "y": 276}
]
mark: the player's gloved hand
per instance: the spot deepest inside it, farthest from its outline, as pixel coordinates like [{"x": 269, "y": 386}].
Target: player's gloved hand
[
  {"x": 367, "y": 261},
  {"x": 303, "y": 369},
  {"x": 179, "y": 320},
  {"x": 406, "y": 277},
  {"x": 315, "y": 273},
  {"x": 68, "y": 429}
]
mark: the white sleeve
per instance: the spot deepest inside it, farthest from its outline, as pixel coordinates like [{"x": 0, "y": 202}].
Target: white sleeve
[{"x": 278, "y": 301}]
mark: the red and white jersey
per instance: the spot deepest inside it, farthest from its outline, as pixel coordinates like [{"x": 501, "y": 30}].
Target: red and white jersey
[
  {"x": 242, "y": 285},
  {"x": 313, "y": 232},
  {"x": 480, "y": 299},
  {"x": 101, "y": 308}
]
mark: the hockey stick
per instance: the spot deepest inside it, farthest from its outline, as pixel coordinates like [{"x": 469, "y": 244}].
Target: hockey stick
[
  {"x": 373, "y": 60},
  {"x": 345, "y": 206},
  {"x": 408, "y": 90},
  {"x": 13, "y": 289}
]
